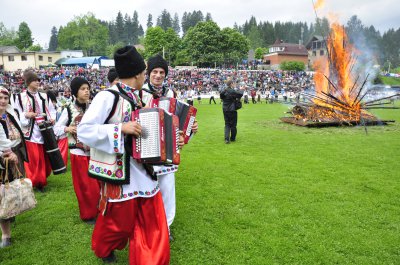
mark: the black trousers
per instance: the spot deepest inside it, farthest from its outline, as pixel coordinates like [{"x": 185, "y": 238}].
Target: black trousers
[
  {"x": 212, "y": 98},
  {"x": 230, "y": 118}
]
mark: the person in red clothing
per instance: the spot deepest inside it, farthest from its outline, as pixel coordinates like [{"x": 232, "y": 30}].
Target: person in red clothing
[
  {"x": 253, "y": 96},
  {"x": 131, "y": 206},
  {"x": 87, "y": 189},
  {"x": 32, "y": 106}
]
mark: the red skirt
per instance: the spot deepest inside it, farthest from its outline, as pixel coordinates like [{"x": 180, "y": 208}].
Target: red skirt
[
  {"x": 38, "y": 168},
  {"x": 142, "y": 223},
  {"x": 63, "y": 146},
  {"x": 87, "y": 189}
]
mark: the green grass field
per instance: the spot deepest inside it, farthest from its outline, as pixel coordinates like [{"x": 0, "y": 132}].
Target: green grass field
[
  {"x": 392, "y": 81},
  {"x": 280, "y": 194}
]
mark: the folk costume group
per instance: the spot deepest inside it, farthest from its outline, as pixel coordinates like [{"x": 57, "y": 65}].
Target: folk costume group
[{"x": 128, "y": 202}]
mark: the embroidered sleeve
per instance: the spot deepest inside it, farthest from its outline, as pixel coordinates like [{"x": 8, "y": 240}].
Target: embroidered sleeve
[
  {"x": 94, "y": 133},
  {"x": 59, "y": 127}
]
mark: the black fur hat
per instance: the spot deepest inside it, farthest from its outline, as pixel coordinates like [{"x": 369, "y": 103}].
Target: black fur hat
[
  {"x": 76, "y": 83},
  {"x": 156, "y": 62},
  {"x": 128, "y": 62}
]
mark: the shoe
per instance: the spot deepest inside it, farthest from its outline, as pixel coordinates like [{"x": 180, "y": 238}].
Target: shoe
[
  {"x": 5, "y": 242},
  {"x": 171, "y": 238},
  {"x": 110, "y": 258},
  {"x": 227, "y": 141},
  {"x": 90, "y": 221},
  {"x": 232, "y": 140},
  {"x": 40, "y": 189}
]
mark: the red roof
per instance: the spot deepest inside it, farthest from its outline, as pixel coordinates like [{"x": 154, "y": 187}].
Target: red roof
[{"x": 290, "y": 49}]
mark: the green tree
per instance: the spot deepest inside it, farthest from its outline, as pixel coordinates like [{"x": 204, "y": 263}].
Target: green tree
[
  {"x": 25, "y": 39},
  {"x": 111, "y": 49},
  {"x": 292, "y": 66},
  {"x": 203, "y": 43},
  {"x": 119, "y": 27},
  {"x": 259, "y": 52},
  {"x": 234, "y": 46},
  {"x": 164, "y": 20},
  {"x": 154, "y": 41},
  {"x": 322, "y": 27},
  {"x": 53, "y": 39},
  {"x": 84, "y": 33},
  {"x": 172, "y": 45},
  {"x": 255, "y": 37},
  {"x": 190, "y": 20},
  {"x": 149, "y": 21},
  {"x": 35, "y": 48},
  {"x": 175, "y": 24},
  {"x": 7, "y": 37},
  {"x": 390, "y": 48},
  {"x": 128, "y": 30}
]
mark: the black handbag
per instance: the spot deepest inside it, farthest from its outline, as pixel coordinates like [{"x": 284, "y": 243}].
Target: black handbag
[{"x": 238, "y": 104}]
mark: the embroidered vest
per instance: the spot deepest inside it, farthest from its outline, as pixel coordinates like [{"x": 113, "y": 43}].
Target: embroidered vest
[
  {"x": 112, "y": 168},
  {"x": 74, "y": 117},
  {"x": 28, "y": 104}
]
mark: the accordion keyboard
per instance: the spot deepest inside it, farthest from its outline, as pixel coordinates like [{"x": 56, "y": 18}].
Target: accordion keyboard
[{"x": 150, "y": 138}]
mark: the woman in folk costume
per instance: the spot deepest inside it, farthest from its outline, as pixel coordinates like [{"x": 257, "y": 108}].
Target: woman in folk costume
[
  {"x": 33, "y": 105},
  {"x": 157, "y": 70},
  {"x": 87, "y": 189},
  {"x": 12, "y": 147},
  {"x": 131, "y": 205}
]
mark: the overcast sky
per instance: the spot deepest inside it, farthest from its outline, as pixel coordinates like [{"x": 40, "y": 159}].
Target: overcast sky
[{"x": 42, "y": 15}]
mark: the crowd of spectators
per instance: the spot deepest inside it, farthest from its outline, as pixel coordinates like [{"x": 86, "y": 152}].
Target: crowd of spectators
[{"x": 195, "y": 83}]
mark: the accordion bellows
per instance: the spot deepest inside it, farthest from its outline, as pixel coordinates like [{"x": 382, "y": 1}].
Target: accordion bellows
[{"x": 185, "y": 112}]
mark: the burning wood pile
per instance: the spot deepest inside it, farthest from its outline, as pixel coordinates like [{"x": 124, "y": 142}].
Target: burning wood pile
[{"x": 339, "y": 93}]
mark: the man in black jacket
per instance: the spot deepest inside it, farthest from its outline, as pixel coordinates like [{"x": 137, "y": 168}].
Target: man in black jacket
[{"x": 229, "y": 96}]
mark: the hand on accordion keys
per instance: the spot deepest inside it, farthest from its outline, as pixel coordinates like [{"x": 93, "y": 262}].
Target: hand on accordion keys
[
  {"x": 132, "y": 127},
  {"x": 195, "y": 126}
]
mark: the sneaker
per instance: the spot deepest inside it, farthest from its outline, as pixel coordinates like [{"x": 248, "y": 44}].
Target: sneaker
[
  {"x": 110, "y": 258},
  {"x": 227, "y": 141},
  {"x": 5, "y": 242}
]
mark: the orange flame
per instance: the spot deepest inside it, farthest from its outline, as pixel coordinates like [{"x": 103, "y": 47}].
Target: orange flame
[
  {"x": 339, "y": 62},
  {"x": 337, "y": 68},
  {"x": 319, "y": 4}
]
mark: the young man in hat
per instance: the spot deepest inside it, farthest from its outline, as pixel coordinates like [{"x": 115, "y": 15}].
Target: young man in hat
[
  {"x": 32, "y": 106},
  {"x": 130, "y": 210},
  {"x": 87, "y": 189},
  {"x": 157, "y": 70}
]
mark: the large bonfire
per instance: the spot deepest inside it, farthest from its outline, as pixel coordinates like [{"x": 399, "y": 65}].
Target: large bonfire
[{"x": 339, "y": 93}]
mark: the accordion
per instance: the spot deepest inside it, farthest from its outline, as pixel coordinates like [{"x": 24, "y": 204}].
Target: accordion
[
  {"x": 185, "y": 113},
  {"x": 158, "y": 143},
  {"x": 167, "y": 104}
]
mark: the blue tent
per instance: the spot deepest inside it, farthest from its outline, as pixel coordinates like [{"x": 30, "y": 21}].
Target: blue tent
[{"x": 81, "y": 62}]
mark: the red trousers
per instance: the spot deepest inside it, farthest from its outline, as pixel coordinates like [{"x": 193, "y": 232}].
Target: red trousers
[
  {"x": 38, "y": 168},
  {"x": 142, "y": 223},
  {"x": 63, "y": 146},
  {"x": 87, "y": 189}
]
